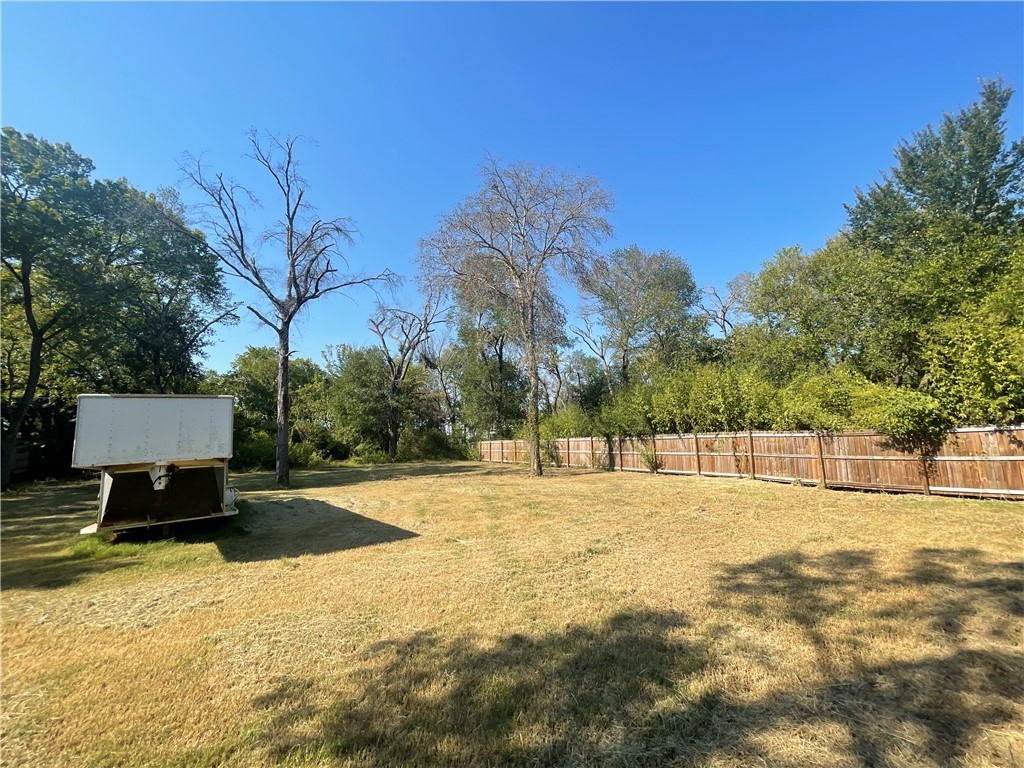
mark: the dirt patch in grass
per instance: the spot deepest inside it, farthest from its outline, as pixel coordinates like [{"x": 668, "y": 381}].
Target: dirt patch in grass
[{"x": 459, "y": 614}]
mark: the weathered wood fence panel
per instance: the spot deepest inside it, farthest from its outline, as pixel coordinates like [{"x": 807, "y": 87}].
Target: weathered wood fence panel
[{"x": 974, "y": 461}]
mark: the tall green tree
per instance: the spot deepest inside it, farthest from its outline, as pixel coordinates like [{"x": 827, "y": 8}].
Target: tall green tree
[
  {"x": 638, "y": 302},
  {"x": 51, "y": 256},
  {"x": 363, "y": 402},
  {"x": 924, "y": 246},
  {"x": 963, "y": 172},
  {"x": 488, "y": 377},
  {"x": 103, "y": 285}
]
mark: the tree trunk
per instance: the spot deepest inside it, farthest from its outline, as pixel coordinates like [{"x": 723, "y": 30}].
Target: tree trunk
[
  {"x": 17, "y": 418},
  {"x": 394, "y": 426},
  {"x": 533, "y": 408},
  {"x": 499, "y": 351},
  {"x": 158, "y": 379},
  {"x": 392, "y": 438},
  {"x": 283, "y": 406}
]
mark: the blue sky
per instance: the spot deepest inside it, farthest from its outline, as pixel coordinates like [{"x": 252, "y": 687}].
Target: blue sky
[{"x": 725, "y": 130}]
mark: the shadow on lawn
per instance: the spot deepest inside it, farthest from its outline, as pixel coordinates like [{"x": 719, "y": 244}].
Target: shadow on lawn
[
  {"x": 330, "y": 477},
  {"x": 38, "y": 525},
  {"x": 267, "y": 530},
  {"x": 933, "y": 705},
  {"x": 525, "y": 700},
  {"x": 643, "y": 689},
  {"x": 42, "y": 548}
]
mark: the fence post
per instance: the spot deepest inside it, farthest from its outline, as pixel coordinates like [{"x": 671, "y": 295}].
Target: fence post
[
  {"x": 515, "y": 451},
  {"x": 696, "y": 451},
  {"x": 821, "y": 461},
  {"x": 924, "y": 476},
  {"x": 620, "y": 453},
  {"x": 568, "y": 452},
  {"x": 654, "y": 452},
  {"x": 750, "y": 453},
  {"x": 592, "y": 452}
]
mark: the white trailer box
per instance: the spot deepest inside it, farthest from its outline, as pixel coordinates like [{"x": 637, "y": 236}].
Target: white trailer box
[{"x": 163, "y": 458}]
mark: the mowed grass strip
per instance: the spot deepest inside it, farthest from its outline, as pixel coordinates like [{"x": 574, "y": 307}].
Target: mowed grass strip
[{"x": 464, "y": 614}]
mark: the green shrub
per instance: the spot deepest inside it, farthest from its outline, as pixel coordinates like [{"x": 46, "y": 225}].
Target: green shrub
[
  {"x": 306, "y": 455},
  {"x": 368, "y": 453},
  {"x": 254, "y": 450},
  {"x": 629, "y": 412},
  {"x": 758, "y": 400},
  {"x": 670, "y": 401},
  {"x": 648, "y": 457},
  {"x": 549, "y": 453},
  {"x": 819, "y": 401},
  {"x": 716, "y": 402},
  {"x": 570, "y": 421},
  {"x": 975, "y": 368},
  {"x": 913, "y": 421},
  {"x": 427, "y": 444}
]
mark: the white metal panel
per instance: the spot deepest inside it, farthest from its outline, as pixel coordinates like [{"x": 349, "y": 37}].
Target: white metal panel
[{"x": 134, "y": 429}]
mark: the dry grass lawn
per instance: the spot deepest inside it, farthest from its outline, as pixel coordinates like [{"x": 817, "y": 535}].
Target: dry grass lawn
[{"x": 464, "y": 614}]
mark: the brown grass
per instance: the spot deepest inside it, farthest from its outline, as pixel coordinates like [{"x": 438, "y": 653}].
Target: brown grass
[{"x": 463, "y": 614}]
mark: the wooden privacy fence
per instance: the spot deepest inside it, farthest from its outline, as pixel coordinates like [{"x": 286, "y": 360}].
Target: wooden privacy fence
[{"x": 975, "y": 461}]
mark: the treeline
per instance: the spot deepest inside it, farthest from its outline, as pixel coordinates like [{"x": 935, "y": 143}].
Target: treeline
[
  {"x": 104, "y": 288},
  {"x": 910, "y": 320}
]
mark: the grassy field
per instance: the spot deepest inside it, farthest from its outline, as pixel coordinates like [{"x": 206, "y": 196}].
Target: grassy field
[{"x": 463, "y": 614}]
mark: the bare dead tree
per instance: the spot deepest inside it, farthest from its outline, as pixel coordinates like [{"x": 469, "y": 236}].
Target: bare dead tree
[
  {"x": 435, "y": 354},
  {"x": 600, "y": 344},
  {"x": 722, "y": 308},
  {"x": 555, "y": 381},
  {"x": 307, "y": 251},
  {"x": 522, "y": 230},
  {"x": 401, "y": 334}
]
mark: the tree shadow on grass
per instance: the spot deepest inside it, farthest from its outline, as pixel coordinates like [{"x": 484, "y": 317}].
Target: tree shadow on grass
[
  {"x": 644, "y": 688},
  {"x": 960, "y": 679},
  {"x": 550, "y": 700},
  {"x": 48, "y": 510}
]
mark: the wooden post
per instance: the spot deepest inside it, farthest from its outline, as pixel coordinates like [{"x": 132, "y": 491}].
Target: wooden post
[
  {"x": 821, "y": 461},
  {"x": 750, "y": 454},
  {"x": 924, "y": 476},
  {"x": 654, "y": 452},
  {"x": 568, "y": 451},
  {"x": 696, "y": 451},
  {"x": 515, "y": 451},
  {"x": 592, "y": 452},
  {"x": 620, "y": 453}
]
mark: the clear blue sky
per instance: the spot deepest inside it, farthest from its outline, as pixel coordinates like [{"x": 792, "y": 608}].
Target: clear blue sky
[{"x": 725, "y": 130}]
